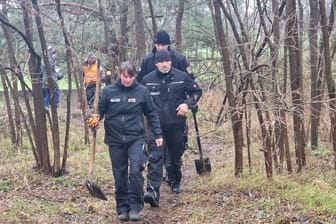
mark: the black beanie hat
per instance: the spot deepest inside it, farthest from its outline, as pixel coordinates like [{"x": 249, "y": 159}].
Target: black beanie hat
[
  {"x": 162, "y": 37},
  {"x": 162, "y": 55}
]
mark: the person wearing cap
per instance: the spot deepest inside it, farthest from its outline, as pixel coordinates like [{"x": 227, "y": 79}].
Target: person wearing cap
[
  {"x": 124, "y": 105},
  {"x": 90, "y": 71},
  {"x": 178, "y": 61},
  {"x": 174, "y": 92},
  {"x": 161, "y": 41},
  {"x": 55, "y": 76}
]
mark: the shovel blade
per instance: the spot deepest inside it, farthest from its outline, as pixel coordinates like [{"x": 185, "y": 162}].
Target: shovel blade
[
  {"x": 95, "y": 190},
  {"x": 203, "y": 166}
]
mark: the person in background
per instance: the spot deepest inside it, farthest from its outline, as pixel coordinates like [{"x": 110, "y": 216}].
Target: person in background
[
  {"x": 55, "y": 76},
  {"x": 174, "y": 92},
  {"x": 108, "y": 78},
  {"x": 90, "y": 71},
  {"x": 162, "y": 41},
  {"x": 124, "y": 104},
  {"x": 178, "y": 61}
]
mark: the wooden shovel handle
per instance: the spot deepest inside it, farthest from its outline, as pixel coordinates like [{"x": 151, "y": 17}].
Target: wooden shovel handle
[{"x": 94, "y": 132}]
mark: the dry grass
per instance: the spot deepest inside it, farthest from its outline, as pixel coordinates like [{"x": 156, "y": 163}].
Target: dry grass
[{"x": 27, "y": 196}]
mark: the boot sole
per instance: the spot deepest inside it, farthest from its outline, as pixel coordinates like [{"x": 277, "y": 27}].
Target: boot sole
[{"x": 151, "y": 201}]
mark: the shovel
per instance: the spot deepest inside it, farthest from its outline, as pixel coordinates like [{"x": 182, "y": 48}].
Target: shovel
[
  {"x": 93, "y": 188},
  {"x": 202, "y": 165}
]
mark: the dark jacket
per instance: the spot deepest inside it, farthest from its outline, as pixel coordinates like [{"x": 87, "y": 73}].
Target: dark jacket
[
  {"x": 169, "y": 91},
  {"x": 148, "y": 63},
  {"x": 123, "y": 108}
]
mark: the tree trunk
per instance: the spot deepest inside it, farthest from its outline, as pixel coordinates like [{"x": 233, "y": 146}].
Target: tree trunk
[
  {"x": 179, "y": 16},
  {"x": 122, "y": 34},
  {"x": 284, "y": 129},
  {"x": 13, "y": 128},
  {"x": 235, "y": 121},
  {"x": 13, "y": 64},
  {"x": 34, "y": 63},
  {"x": 292, "y": 42},
  {"x": 8, "y": 106},
  {"x": 316, "y": 91},
  {"x": 274, "y": 48},
  {"x": 152, "y": 13},
  {"x": 139, "y": 30},
  {"x": 54, "y": 116},
  {"x": 108, "y": 38},
  {"x": 69, "y": 69},
  {"x": 327, "y": 70}
]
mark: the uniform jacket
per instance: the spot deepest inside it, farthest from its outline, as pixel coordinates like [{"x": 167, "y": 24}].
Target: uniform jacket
[
  {"x": 123, "y": 108},
  {"x": 148, "y": 63},
  {"x": 169, "y": 91}
]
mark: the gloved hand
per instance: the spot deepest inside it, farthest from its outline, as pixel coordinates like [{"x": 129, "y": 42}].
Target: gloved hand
[
  {"x": 93, "y": 120},
  {"x": 194, "y": 108}
]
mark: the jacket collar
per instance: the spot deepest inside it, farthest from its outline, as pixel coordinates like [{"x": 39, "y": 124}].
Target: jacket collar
[
  {"x": 121, "y": 86},
  {"x": 154, "y": 50},
  {"x": 165, "y": 76}
]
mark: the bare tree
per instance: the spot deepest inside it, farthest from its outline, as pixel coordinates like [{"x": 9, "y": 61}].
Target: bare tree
[
  {"x": 178, "y": 31},
  {"x": 111, "y": 56},
  {"x": 235, "y": 121},
  {"x": 39, "y": 121},
  {"x": 69, "y": 69},
  {"x": 15, "y": 129},
  {"x": 315, "y": 74},
  {"x": 327, "y": 70},
  {"x": 123, "y": 29},
  {"x": 152, "y": 13},
  {"x": 139, "y": 30},
  {"x": 292, "y": 42},
  {"x": 8, "y": 105}
]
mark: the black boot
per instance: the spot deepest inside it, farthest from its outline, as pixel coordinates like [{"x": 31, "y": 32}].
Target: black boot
[
  {"x": 176, "y": 187},
  {"x": 150, "y": 197}
]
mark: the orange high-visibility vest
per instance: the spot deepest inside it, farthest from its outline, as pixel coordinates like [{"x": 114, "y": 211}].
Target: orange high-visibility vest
[{"x": 90, "y": 73}]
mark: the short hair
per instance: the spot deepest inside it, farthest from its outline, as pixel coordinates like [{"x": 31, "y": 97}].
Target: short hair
[{"x": 128, "y": 67}]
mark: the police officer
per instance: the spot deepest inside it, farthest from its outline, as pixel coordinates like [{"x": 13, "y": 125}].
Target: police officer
[
  {"x": 123, "y": 104},
  {"x": 179, "y": 61},
  {"x": 161, "y": 41},
  {"x": 174, "y": 92}
]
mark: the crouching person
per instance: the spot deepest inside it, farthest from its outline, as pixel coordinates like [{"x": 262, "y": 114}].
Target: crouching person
[{"x": 123, "y": 105}]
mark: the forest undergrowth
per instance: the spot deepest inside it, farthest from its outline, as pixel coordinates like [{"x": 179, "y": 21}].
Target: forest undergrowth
[{"x": 28, "y": 196}]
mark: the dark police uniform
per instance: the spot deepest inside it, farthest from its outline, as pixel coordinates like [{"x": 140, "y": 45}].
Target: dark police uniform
[
  {"x": 123, "y": 108},
  {"x": 148, "y": 63},
  {"x": 168, "y": 92}
]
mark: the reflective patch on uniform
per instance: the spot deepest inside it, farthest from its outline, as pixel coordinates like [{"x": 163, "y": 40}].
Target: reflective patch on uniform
[
  {"x": 152, "y": 84},
  {"x": 195, "y": 85},
  {"x": 115, "y": 100},
  {"x": 178, "y": 82},
  {"x": 155, "y": 93},
  {"x": 132, "y": 100}
]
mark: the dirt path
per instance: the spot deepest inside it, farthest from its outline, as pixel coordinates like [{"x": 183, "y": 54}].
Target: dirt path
[{"x": 170, "y": 202}]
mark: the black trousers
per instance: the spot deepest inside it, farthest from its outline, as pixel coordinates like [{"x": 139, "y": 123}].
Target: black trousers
[
  {"x": 128, "y": 186},
  {"x": 90, "y": 94},
  {"x": 174, "y": 145},
  {"x": 166, "y": 154}
]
